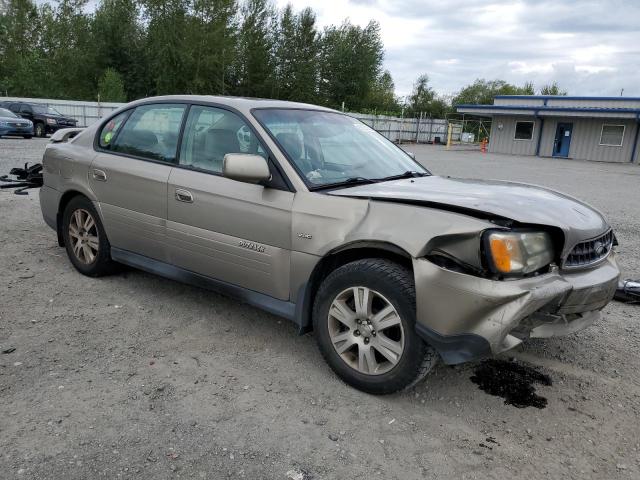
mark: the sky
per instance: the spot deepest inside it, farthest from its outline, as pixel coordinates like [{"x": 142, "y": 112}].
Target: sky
[{"x": 588, "y": 47}]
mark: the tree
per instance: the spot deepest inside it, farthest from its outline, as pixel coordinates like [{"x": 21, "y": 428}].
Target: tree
[
  {"x": 21, "y": 59},
  {"x": 304, "y": 87},
  {"x": 422, "y": 95},
  {"x": 382, "y": 97},
  {"x": 166, "y": 45},
  {"x": 211, "y": 38},
  {"x": 255, "y": 70},
  {"x": 118, "y": 44},
  {"x": 63, "y": 49},
  {"x": 351, "y": 60},
  {"x": 482, "y": 92},
  {"x": 424, "y": 99},
  {"x": 65, "y": 46},
  {"x": 552, "y": 89},
  {"x": 296, "y": 55},
  {"x": 111, "y": 87}
]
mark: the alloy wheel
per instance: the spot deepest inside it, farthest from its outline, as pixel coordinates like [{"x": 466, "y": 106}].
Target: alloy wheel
[
  {"x": 83, "y": 234},
  {"x": 366, "y": 330}
]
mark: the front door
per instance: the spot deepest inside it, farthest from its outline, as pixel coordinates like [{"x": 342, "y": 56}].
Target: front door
[
  {"x": 236, "y": 232},
  {"x": 129, "y": 176},
  {"x": 562, "y": 141}
]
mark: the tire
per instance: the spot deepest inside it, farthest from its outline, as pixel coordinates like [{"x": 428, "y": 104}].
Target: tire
[
  {"x": 360, "y": 336},
  {"x": 27, "y": 137},
  {"x": 87, "y": 246},
  {"x": 40, "y": 130}
]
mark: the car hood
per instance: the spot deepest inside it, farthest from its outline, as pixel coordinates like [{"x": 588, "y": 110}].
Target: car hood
[
  {"x": 14, "y": 119},
  {"x": 528, "y": 204}
]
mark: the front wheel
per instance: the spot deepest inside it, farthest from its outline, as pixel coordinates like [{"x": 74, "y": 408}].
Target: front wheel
[
  {"x": 40, "y": 130},
  {"x": 364, "y": 322}
]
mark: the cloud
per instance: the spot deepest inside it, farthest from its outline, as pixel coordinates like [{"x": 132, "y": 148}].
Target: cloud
[{"x": 589, "y": 47}]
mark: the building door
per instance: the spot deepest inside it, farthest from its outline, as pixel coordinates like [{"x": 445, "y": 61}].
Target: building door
[{"x": 563, "y": 140}]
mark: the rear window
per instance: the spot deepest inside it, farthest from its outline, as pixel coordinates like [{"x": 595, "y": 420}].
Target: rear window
[{"x": 150, "y": 132}]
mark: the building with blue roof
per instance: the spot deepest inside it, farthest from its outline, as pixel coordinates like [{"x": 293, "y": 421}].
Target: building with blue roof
[{"x": 603, "y": 129}]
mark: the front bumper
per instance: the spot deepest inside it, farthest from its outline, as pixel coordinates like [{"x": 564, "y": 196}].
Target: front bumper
[
  {"x": 466, "y": 317},
  {"x": 18, "y": 131}
]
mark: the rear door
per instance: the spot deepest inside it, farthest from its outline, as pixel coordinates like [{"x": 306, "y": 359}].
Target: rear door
[
  {"x": 236, "y": 232},
  {"x": 136, "y": 151}
]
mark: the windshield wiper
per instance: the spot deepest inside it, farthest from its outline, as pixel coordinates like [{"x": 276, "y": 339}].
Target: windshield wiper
[
  {"x": 407, "y": 174},
  {"x": 349, "y": 181}
]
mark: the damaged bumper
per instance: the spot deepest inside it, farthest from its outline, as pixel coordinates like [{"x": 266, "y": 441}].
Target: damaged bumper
[{"x": 466, "y": 317}]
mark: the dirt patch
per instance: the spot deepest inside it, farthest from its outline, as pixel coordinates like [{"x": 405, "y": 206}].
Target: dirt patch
[{"x": 513, "y": 381}]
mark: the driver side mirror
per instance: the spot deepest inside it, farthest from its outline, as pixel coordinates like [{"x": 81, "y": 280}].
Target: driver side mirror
[{"x": 245, "y": 168}]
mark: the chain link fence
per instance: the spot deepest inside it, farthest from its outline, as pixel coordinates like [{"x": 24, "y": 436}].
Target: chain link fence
[{"x": 396, "y": 129}]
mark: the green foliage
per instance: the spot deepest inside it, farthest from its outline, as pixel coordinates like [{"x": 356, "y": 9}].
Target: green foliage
[
  {"x": 111, "y": 87},
  {"x": 255, "y": 65},
  {"x": 482, "y": 92},
  {"x": 552, "y": 89},
  {"x": 128, "y": 49},
  {"x": 382, "y": 94},
  {"x": 119, "y": 44},
  {"x": 424, "y": 100},
  {"x": 350, "y": 61}
]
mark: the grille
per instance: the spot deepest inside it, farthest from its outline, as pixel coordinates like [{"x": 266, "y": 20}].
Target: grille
[
  {"x": 591, "y": 251},
  {"x": 16, "y": 124}
]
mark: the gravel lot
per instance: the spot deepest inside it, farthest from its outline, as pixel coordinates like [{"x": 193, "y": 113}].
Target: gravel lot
[{"x": 134, "y": 376}]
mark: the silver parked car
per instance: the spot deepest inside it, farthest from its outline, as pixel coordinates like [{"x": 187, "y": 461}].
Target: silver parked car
[{"x": 313, "y": 216}]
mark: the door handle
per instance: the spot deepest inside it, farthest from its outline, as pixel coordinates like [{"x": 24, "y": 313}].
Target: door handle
[
  {"x": 99, "y": 175},
  {"x": 183, "y": 195}
]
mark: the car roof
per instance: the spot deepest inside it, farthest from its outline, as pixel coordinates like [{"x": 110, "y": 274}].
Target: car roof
[{"x": 240, "y": 103}]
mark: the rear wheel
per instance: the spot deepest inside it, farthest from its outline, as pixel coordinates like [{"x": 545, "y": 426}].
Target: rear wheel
[
  {"x": 364, "y": 322},
  {"x": 85, "y": 239}
]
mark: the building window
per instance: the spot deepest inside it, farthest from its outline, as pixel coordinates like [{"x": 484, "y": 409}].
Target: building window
[
  {"x": 524, "y": 131},
  {"x": 612, "y": 135}
]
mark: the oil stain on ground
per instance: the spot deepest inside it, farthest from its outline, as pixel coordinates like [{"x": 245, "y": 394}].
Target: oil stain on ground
[{"x": 513, "y": 381}]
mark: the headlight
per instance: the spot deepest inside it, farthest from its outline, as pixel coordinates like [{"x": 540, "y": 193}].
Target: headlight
[
  {"x": 518, "y": 252},
  {"x": 51, "y": 121}
]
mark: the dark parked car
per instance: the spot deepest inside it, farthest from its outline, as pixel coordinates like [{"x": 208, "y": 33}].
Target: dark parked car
[
  {"x": 45, "y": 119},
  {"x": 12, "y": 124}
]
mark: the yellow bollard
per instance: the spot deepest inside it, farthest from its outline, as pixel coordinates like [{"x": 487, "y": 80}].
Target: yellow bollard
[{"x": 449, "y": 136}]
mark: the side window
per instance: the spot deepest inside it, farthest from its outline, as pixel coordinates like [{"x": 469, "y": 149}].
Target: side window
[
  {"x": 151, "y": 131},
  {"x": 210, "y": 133},
  {"x": 25, "y": 109},
  {"x": 110, "y": 130}
]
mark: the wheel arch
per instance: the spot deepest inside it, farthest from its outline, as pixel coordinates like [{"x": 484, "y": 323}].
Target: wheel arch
[
  {"x": 336, "y": 258},
  {"x": 62, "y": 204}
]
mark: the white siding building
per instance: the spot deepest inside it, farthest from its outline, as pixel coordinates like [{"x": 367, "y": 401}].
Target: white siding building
[{"x": 604, "y": 129}]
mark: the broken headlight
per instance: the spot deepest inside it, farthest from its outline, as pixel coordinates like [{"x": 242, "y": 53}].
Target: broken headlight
[{"x": 518, "y": 253}]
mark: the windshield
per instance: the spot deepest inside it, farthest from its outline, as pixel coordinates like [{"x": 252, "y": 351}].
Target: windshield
[
  {"x": 330, "y": 148},
  {"x": 44, "y": 109},
  {"x": 7, "y": 113}
]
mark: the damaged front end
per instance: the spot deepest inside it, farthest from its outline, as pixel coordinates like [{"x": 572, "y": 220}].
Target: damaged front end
[{"x": 467, "y": 317}]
